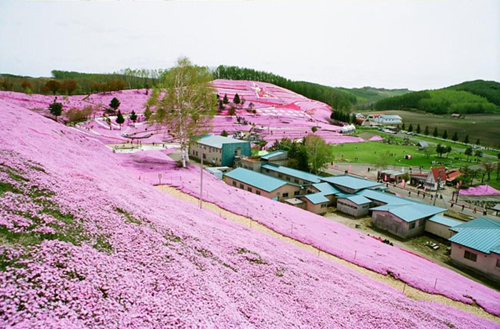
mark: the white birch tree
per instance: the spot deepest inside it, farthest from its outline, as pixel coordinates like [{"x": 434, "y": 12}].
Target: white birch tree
[{"x": 184, "y": 103}]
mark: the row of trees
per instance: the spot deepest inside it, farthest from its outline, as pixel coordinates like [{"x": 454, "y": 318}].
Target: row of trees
[
  {"x": 335, "y": 98},
  {"x": 435, "y": 133}
]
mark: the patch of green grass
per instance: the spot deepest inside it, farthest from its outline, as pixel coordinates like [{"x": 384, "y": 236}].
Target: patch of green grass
[
  {"x": 7, "y": 187},
  {"x": 230, "y": 267},
  {"x": 205, "y": 252},
  {"x": 172, "y": 237},
  {"x": 128, "y": 217},
  {"x": 252, "y": 257},
  {"x": 102, "y": 244},
  {"x": 13, "y": 173},
  {"x": 279, "y": 272}
]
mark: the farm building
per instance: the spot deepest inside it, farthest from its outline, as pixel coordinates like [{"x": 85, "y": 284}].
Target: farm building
[
  {"x": 388, "y": 120},
  {"x": 355, "y": 205},
  {"x": 219, "y": 150},
  {"x": 278, "y": 157},
  {"x": 289, "y": 174},
  {"x": 316, "y": 203},
  {"x": 440, "y": 225},
  {"x": 431, "y": 179},
  {"x": 390, "y": 176},
  {"x": 350, "y": 184},
  {"x": 404, "y": 220},
  {"x": 251, "y": 162},
  {"x": 261, "y": 184},
  {"x": 476, "y": 245},
  {"x": 254, "y": 162}
]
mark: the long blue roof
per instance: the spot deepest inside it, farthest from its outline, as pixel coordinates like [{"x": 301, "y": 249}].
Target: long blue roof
[
  {"x": 351, "y": 182},
  {"x": 326, "y": 188},
  {"x": 450, "y": 222},
  {"x": 293, "y": 173},
  {"x": 410, "y": 212},
  {"x": 272, "y": 154},
  {"x": 384, "y": 197},
  {"x": 357, "y": 199},
  {"x": 316, "y": 198},
  {"x": 217, "y": 141},
  {"x": 256, "y": 179},
  {"x": 482, "y": 234}
]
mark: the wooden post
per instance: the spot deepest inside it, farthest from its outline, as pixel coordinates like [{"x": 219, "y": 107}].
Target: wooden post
[
  {"x": 435, "y": 283},
  {"x": 355, "y": 252}
]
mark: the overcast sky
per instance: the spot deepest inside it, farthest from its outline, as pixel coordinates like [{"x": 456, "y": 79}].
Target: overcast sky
[{"x": 392, "y": 44}]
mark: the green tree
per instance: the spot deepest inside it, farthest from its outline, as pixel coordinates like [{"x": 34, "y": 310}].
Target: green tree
[
  {"x": 148, "y": 113},
  {"x": 426, "y": 132},
  {"x": 314, "y": 129},
  {"x": 448, "y": 150},
  {"x": 232, "y": 110},
  {"x": 236, "y": 99},
  {"x": 225, "y": 100},
  {"x": 68, "y": 86},
  {"x": 55, "y": 109},
  {"x": 410, "y": 128},
  {"x": 184, "y": 102},
  {"x": 403, "y": 127},
  {"x": 466, "y": 139},
  {"x": 440, "y": 150},
  {"x": 445, "y": 134},
  {"x": 418, "y": 129},
  {"x": 224, "y": 133},
  {"x": 478, "y": 142},
  {"x": 478, "y": 154},
  {"x": 468, "y": 152},
  {"x": 319, "y": 152},
  {"x": 114, "y": 104},
  {"x": 133, "y": 116},
  {"x": 488, "y": 168},
  {"x": 119, "y": 119},
  {"x": 435, "y": 133},
  {"x": 455, "y": 137}
]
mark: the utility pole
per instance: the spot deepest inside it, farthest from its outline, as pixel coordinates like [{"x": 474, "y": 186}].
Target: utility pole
[{"x": 438, "y": 183}]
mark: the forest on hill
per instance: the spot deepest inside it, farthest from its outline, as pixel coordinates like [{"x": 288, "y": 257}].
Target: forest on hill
[{"x": 469, "y": 97}]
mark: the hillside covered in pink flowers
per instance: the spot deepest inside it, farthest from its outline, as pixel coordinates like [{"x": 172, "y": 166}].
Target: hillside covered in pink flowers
[{"x": 85, "y": 243}]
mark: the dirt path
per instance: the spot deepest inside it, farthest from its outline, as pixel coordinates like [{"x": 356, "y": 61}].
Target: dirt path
[{"x": 396, "y": 284}]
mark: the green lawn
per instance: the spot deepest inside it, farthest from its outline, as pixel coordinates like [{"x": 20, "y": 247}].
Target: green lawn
[
  {"x": 394, "y": 155},
  {"x": 477, "y": 126}
]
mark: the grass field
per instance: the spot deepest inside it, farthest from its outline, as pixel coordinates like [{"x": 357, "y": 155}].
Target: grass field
[
  {"x": 394, "y": 155},
  {"x": 486, "y": 127}
]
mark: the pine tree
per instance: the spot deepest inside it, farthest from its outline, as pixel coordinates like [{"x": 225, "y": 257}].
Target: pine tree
[
  {"x": 404, "y": 127},
  {"x": 426, "y": 132},
  {"x": 418, "y": 129},
  {"x": 466, "y": 139},
  {"x": 133, "y": 116},
  {"x": 114, "y": 104},
  {"x": 225, "y": 100},
  {"x": 455, "y": 137},
  {"x": 435, "y": 133},
  {"x": 478, "y": 142},
  {"x": 445, "y": 134},
  {"x": 410, "y": 128},
  {"x": 236, "y": 99},
  {"x": 55, "y": 108},
  {"x": 224, "y": 133},
  {"x": 119, "y": 119}
]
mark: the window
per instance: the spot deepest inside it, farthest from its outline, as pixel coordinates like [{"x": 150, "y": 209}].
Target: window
[
  {"x": 296, "y": 181},
  {"x": 421, "y": 222},
  {"x": 412, "y": 226},
  {"x": 258, "y": 192},
  {"x": 242, "y": 186},
  {"x": 234, "y": 183},
  {"x": 267, "y": 170},
  {"x": 296, "y": 193},
  {"x": 249, "y": 189},
  {"x": 470, "y": 256},
  {"x": 279, "y": 175},
  {"x": 285, "y": 195},
  {"x": 324, "y": 205},
  {"x": 204, "y": 156},
  {"x": 498, "y": 262}
]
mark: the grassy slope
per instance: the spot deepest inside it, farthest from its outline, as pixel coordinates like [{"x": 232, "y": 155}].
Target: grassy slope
[{"x": 368, "y": 95}]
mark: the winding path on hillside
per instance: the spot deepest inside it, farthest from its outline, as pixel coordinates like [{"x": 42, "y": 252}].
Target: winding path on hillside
[{"x": 407, "y": 290}]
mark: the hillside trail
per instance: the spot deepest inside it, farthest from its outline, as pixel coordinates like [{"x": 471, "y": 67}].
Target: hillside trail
[{"x": 407, "y": 290}]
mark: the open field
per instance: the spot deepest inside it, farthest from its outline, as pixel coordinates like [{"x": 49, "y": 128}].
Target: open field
[{"x": 482, "y": 126}]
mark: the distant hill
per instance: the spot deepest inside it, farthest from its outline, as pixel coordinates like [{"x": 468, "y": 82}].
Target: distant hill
[
  {"x": 488, "y": 89},
  {"x": 469, "y": 97},
  {"x": 366, "y": 96}
]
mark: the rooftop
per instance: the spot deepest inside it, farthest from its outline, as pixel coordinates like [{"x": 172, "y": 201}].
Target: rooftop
[
  {"x": 351, "y": 182},
  {"x": 217, "y": 141},
  {"x": 385, "y": 197},
  {"x": 357, "y": 199},
  {"x": 437, "y": 171},
  {"x": 316, "y": 198},
  {"x": 326, "y": 188},
  {"x": 482, "y": 234},
  {"x": 273, "y": 154},
  {"x": 293, "y": 172},
  {"x": 410, "y": 212},
  {"x": 256, "y": 179},
  {"x": 445, "y": 220}
]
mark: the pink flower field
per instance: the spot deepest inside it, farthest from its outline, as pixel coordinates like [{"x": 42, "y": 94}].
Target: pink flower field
[
  {"x": 86, "y": 243},
  {"x": 279, "y": 113}
]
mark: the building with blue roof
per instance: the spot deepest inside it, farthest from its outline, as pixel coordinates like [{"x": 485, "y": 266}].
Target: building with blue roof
[
  {"x": 404, "y": 220},
  {"x": 289, "y": 174},
  {"x": 351, "y": 184},
  {"x": 476, "y": 245},
  {"x": 261, "y": 184},
  {"x": 354, "y": 205},
  {"x": 219, "y": 150},
  {"x": 441, "y": 226}
]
